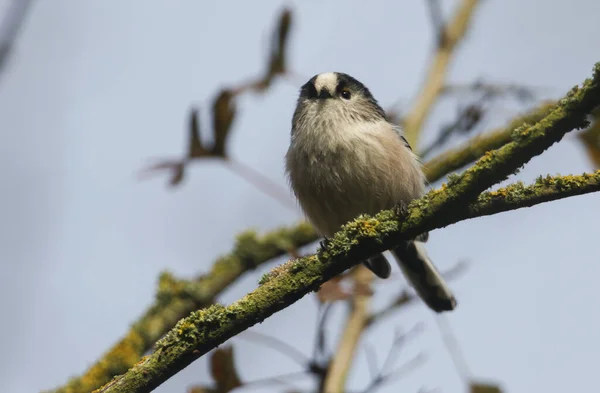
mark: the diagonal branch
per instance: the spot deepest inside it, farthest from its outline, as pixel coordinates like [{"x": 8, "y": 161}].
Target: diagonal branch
[
  {"x": 177, "y": 299},
  {"x": 356, "y": 322},
  {"x": 477, "y": 146},
  {"x": 545, "y": 189},
  {"x": 364, "y": 237},
  {"x": 12, "y": 22},
  {"x": 436, "y": 76}
]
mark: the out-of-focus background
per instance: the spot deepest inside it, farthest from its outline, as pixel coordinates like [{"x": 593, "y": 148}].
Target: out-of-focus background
[{"x": 93, "y": 89}]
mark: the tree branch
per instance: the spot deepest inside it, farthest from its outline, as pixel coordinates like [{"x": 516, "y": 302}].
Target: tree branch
[
  {"x": 477, "y": 146},
  {"x": 436, "y": 76},
  {"x": 335, "y": 382},
  {"x": 11, "y": 24},
  {"x": 175, "y": 299},
  {"x": 545, "y": 189},
  {"x": 361, "y": 238}
]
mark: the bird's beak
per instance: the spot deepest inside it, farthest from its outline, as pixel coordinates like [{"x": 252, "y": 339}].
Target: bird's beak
[{"x": 324, "y": 93}]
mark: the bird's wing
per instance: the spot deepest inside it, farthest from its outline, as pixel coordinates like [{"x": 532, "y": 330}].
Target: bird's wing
[{"x": 398, "y": 130}]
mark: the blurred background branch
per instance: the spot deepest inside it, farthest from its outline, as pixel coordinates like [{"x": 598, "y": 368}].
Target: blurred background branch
[
  {"x": 449, "y": 36},
  {"x": 224, "y": 114},
  {"x": 354, "y": 326},
  {"x": 10, "y": 26}
]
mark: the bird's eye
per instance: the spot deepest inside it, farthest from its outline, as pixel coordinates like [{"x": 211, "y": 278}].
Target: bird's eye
[{"x": 345, "y": 93}]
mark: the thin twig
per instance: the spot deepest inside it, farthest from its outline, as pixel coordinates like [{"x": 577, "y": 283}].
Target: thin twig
[
  {"x": 401, "y": 371},
  {"x": 278, "y": 379},
  {"x": 335, "y": 381},
  {"x": 436, "y": 76},
  {"x": 477, "y": 146},
  {"x": 320, "y": 349},
  {"x": 437, "y": 21},
  {"x": 454, "y": 349},
  {"x": 10, "y": 26},
  {"x": 518, "y": 91},
  {"x": 399, "y": 340},
  {"x": 262, "y": 183},
  {"x": 371, "y": 360},
  {"x": 278, "y": 345}
]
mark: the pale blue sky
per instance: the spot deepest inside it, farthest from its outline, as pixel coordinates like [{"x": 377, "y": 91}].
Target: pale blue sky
[{"x": 96, "y": 88}]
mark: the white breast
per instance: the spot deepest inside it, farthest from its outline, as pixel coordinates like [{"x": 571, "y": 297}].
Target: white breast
[{"x": 358, "y": 168}]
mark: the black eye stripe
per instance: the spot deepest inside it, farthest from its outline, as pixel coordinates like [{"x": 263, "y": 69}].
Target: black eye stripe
[{"x": 309, "y": 90}]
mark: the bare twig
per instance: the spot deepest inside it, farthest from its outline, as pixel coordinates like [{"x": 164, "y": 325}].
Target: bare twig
[
  {"x": 397, "y": 373},
  {"x": 477, "y": 146},
  {"x": 468, "y": 118},
  {"x": 275, "y": 380},
  {"x": 436, "y": 76},
  {"x": 10, "y": 26},
  {"x": 320, "y": 347},
  {"x": 453, "y": 348},
  {"x": 371, "y": 360},
  {"x": 262, "y": 183},
  {"x": 335, "y": 380},
  {"x": 519, "y": 91},
  {"x": 383, "y": 375},
  {"x": 278, "y": 345},
  {"x": 399, "y": 340},
  {"x": 437, "y": 21}
]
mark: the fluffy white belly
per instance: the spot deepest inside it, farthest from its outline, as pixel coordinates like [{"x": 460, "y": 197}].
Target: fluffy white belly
[{"x": 337, "y": 181}]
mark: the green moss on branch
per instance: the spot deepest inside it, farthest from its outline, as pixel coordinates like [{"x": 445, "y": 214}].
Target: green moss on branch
[
  {"x": 203, "y": 330},
  {"x": 545, "y": 189},
  {"x": 177, "y": 298},
  {"x": 474, "y": 148}
]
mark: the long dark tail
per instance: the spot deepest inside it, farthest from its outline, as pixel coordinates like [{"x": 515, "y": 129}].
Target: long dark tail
[{"x": 424, "y": 277}]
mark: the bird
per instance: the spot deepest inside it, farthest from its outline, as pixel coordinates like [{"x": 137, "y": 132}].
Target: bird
[{"x": 345, "y": 158}]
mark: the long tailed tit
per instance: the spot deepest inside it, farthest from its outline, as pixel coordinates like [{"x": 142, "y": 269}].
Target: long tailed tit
[{"x": 345, "y": 159}]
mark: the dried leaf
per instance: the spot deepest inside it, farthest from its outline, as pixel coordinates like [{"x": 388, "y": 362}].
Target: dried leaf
[
  {"x": 478, "y": 387},
  {"x": 223, "y": 115},
  {"x": 222, "y": 369},
  {"x": 195, "y": 148},
  {"x": 591, "y": 141},
  {"x": 279, "y": 51},
  {"x": 278, "y": 56}
]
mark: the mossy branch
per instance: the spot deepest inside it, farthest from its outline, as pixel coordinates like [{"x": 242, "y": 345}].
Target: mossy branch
[
  {"x": 364, "y": 237},
  {"x": 471, "y": 150},
  {"x": 177, "y": 298},
  {"x": 545, "y": 189}
]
